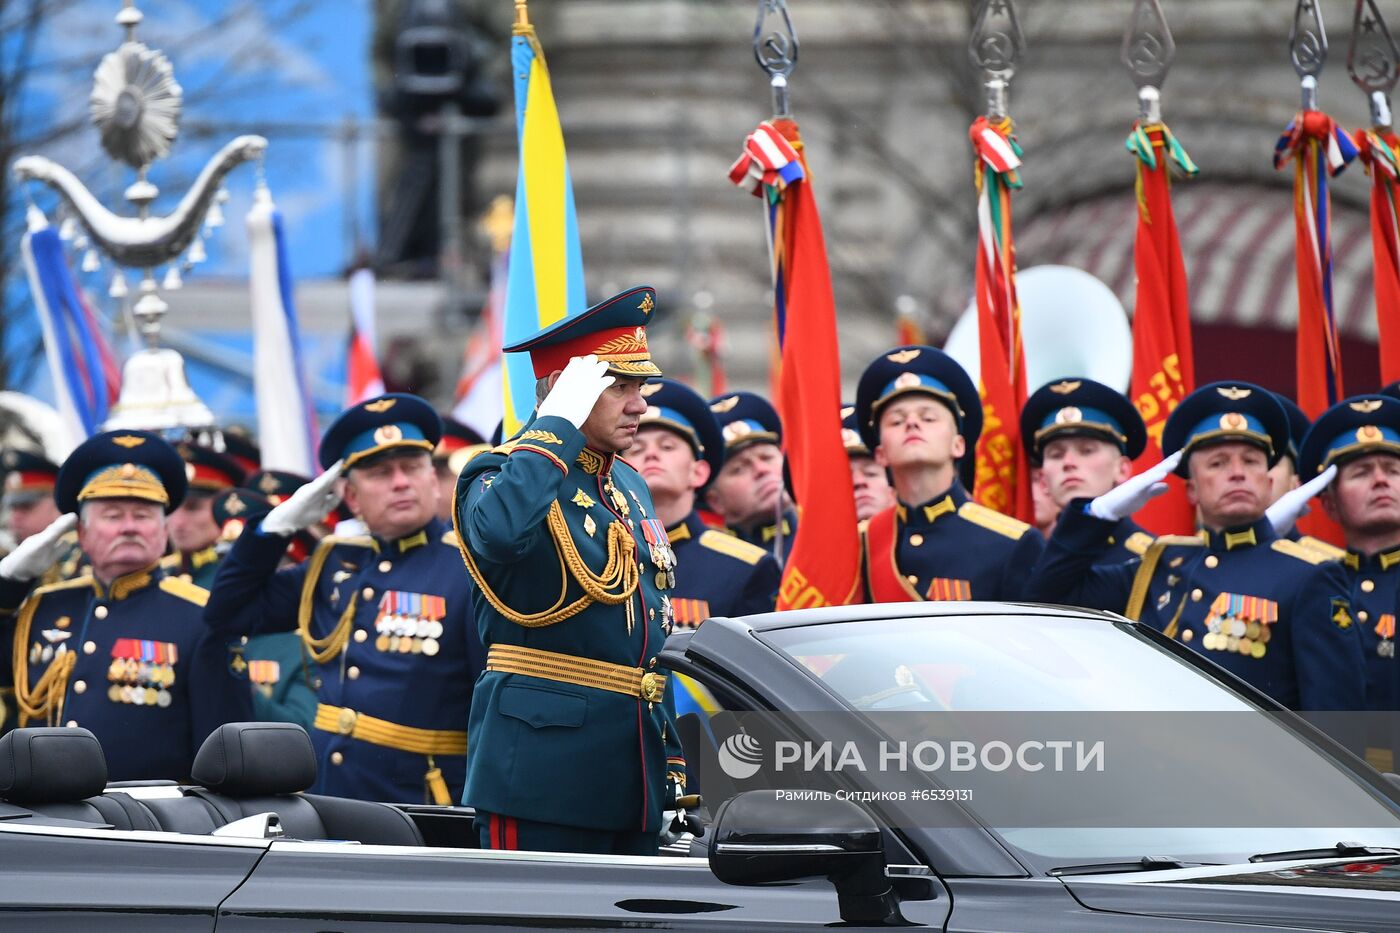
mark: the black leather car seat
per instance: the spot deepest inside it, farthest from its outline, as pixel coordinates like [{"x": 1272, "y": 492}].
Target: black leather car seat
[
  {"x": 60, "y": 773},
  {"x": 247, "y": 768}
]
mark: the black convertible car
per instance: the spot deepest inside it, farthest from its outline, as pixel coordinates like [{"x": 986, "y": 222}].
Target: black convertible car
[{"x": 1127, "y": 836}]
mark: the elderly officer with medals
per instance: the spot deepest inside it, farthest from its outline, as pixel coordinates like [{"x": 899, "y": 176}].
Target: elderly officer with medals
[
  {"x": 920, "y": 414},
  {"x": 1084, "y": 437},
  {"x": 384, "y": 617},
  {"x": 1353, "y": 450},
  {"x": 677, "y": 450},
  {"x": 121, "y": 652},
  {"x": 1269, "y": 610},
  {"x": 749, "y": 492},
  {"x": 574, "y": 744}
]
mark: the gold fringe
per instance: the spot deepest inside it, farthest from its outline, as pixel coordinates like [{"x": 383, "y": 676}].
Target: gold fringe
[{"x": 45, "y": 701}]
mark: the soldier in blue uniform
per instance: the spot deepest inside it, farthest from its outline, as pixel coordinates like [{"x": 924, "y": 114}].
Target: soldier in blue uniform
[
  {"x": 677, "y": 450},
  {"x": 273, "y": 664},
  {"x": 194, "y": 534},
  {"x": 1269, "y": 610},
  {"x": 1361, "y": 437},
  {"x": 749, "y": 492},
  {"x": 574, "y": 744},
  {"x": 121, "y": 652},
  {"x": 385, "y": 618},
  {"x": 1084, "y": 437},
  {"x": 920, "y": 414},
  {"x": 869, "y": 480}
]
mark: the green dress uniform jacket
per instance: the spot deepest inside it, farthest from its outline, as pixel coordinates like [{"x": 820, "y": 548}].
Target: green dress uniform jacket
[{"x": 572, "y": 724}]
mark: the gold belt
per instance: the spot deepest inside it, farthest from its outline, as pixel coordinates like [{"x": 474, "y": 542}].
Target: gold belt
[
  {"x": 344, "y": 721},
  {"x": 571, "y": 669}
]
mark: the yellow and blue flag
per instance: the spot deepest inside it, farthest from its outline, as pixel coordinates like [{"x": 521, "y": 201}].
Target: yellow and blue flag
[{"x": 545, "y": 279}]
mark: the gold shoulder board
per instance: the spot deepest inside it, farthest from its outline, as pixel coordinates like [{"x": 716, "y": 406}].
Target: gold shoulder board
[
  {"x": 1138, "y": 542},
  {"x": 993, "y": 520},
  {"x": 1302, "y": 552},
  {"x": 731, "y": 546},
  {"x": 330, "y": 541},
  {"x": 187, "y": 591},
  {"x": 1325, "y": 548},
  {"x": 76, "y": 583}
]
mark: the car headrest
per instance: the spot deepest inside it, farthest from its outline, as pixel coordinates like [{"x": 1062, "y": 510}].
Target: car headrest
[
  {"x": 51, "y": 765},
  {"x": 255, "y": 759}
]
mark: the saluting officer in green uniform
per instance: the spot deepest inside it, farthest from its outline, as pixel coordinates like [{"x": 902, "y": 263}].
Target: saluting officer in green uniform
[{"x": 574, "y": 746}]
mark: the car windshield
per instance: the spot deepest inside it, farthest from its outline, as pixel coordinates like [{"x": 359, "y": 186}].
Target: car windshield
[{"x": 1178, "y": 751}]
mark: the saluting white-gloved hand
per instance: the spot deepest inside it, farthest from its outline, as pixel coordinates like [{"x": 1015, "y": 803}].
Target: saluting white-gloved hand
[
  {"x": 1135, "y": 492},
  {"x": 38, "y": 552},
  {"x": 305, "y": 507},
  {"x": 1293, "y": 504},
  {"x": 577, "y": 389}
]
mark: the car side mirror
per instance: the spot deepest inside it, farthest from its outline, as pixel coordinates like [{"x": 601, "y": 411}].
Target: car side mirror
[{"x": 765, "y": 836}]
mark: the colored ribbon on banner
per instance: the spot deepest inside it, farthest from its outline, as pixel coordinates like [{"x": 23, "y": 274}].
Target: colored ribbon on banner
[
  {"x": 1003, "y": 475},
  {"x": 1318, "y": 149}
]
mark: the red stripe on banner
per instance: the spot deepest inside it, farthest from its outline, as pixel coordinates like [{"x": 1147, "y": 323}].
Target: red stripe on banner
[{"x": 1380, "y": 151}]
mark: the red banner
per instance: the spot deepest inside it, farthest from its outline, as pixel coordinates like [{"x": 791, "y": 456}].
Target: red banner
[
  {"x": 823, "y": 566},
  {"x": 1380, "y": 151},
  {"x": 1163, "y": 362},
  {"x": 1003, "y": 475}
]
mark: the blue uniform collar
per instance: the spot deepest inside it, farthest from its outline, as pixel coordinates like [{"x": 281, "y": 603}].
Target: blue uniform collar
[
  {"x": 926, "y": 513},
  {"x": 1252, "y": 535},
  {"x": 411, "y": 540},
  {"x": 1382, "y": 561},
  {"x": 125, "y": 585},
  {"x": 692, "y": 526}
]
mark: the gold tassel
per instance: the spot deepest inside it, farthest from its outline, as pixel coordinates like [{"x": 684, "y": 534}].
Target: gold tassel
[{"x": 436, "y": 785}]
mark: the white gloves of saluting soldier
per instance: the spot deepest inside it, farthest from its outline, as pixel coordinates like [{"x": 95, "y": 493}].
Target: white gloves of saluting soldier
[
  {"x": 38, "y": 552},
  {"x": 1293, "y": 504},
  {"x": 1135, "y": 492},
  {"x": 305, "y": 507},
  {"x": 577, "y": 389}
]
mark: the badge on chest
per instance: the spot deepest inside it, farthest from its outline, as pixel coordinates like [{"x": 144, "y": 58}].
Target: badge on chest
[
  {"x": 142, "y": 672},
  {"x": 1240, "y": 624},
  {"x": 409, "y": 623}
]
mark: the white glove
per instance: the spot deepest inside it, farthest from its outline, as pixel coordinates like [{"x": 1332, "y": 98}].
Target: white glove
[
  {"x": 305, "y": 507},
  {"x": 1293, "y": 504},
  {"x": 38, "y": 552},
  {"x": 1135, "y": 492},
  {"x": 577, "y": 389}
]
